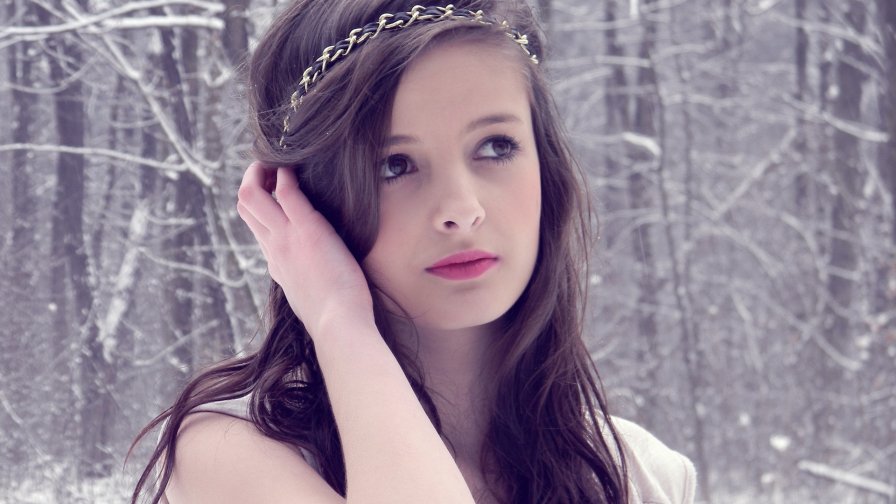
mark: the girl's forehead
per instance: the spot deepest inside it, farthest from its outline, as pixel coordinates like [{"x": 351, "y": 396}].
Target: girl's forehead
[{"x": 455, "y": 79}]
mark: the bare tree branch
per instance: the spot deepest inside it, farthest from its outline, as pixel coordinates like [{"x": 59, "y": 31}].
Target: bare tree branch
[
  {"x": 105, "y": 21},
  {"x": 847, "y": 478},
  {"x": 98, "y": 152}
]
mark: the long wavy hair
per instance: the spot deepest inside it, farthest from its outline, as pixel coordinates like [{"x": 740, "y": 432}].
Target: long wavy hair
[{"x": 549, "y": 437}]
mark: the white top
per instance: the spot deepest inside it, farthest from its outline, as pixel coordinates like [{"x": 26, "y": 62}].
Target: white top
[{"x": 657, "y": 474}]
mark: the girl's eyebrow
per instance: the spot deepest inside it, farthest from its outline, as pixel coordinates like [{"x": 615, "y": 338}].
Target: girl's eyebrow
[
  {"x": 491, "y": 119},
  {"x": 475, "y": 124}
]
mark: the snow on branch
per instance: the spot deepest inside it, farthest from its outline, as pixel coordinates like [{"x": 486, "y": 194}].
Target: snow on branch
[
  {"x": 601, "y": 60},
  {"x": 105, "y": 20},
  {"x": 867, "y": 44},
  {"x": 7, "y": 407},
  {"x": 194, "y": 163},
  {"x": 636, "y": 11},
  {"x": 847, "y": 478},
  {"x": 644, "y": 142},
  {"x": 198, "y": 270},
  {"x": 836, "y": 355},
  {"x": 762, "y": 6},
  {"x": 212, "y": 23},
  {"x": 124, "y": 282},
  {"x": 753, "y": 356},
  {"x": 755, "y": 175},
  {"x": 168, "y": 352},
  {"x": 858, "y": 130},
  {"x": 99, "y": 152}
]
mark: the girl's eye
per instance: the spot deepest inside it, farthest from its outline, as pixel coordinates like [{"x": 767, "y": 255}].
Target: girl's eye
[
  {"x": 500, "y": 148},
  {"x": 394, "y": 167}
]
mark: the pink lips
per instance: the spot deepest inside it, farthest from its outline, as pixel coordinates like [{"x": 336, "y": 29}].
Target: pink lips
[{"x": 464, "y": 265}]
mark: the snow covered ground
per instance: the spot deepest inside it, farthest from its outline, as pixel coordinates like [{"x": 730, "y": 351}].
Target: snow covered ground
[{"x": 115, "y": 490}]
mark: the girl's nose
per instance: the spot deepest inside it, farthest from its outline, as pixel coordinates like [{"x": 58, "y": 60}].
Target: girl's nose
[{"x": 458, "y": 206}]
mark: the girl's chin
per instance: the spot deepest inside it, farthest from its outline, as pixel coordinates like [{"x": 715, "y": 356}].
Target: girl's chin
[{"x": 447, "y": 316}]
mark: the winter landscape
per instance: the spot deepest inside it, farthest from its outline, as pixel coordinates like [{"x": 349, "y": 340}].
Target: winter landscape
[{"x": 741, "y": 156}]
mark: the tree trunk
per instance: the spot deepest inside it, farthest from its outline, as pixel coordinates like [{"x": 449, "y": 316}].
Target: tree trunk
[
  {"x": 617, "y": 103},
  {"x": 801, "y": 52},
  {"x": 211, "y": 294},
  {"x": 885, "y": 294},
  {"x": 683, "y": 287},
  {"x": 90, "y": 365},
  {"x": 846, "y": 174},
  {"x": 187, "y": 196},
  {"x": 16, "y": 273},
  {"x": 887, "y": 96},
  {"x": 848, "y": 181},
  {"x": 192, "y": 244},
  {"x": 642, "y": 204},
  {"x": 235, "y": 43},
  {"x": 61, "y": 319},
  {"x": 19, "y": 67},
  {"x": 236, "y": 31}
]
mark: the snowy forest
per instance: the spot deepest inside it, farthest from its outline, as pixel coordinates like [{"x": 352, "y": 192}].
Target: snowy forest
[{"x": 741, "y": 156}]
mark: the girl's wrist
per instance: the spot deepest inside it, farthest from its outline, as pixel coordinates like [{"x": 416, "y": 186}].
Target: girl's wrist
[{"x": 343, "y": 326}]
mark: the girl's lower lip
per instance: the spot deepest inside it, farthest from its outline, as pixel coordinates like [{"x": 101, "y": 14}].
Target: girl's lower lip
[{"x": 464, "y": 271}]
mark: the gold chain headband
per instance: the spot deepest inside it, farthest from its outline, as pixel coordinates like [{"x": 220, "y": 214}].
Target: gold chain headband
[{"x": 358, "y": 36}]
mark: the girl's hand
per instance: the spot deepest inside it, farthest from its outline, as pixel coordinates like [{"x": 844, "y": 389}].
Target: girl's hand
[{"x": 319, "y": 276}]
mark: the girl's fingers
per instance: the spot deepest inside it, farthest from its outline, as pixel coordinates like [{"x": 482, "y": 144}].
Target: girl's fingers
[
  {"x": 294, "y": 203},
  {"x": 264, "y": 252},
  {"x": 258, "y": 229},
  {"x": 257, "y": 200}
]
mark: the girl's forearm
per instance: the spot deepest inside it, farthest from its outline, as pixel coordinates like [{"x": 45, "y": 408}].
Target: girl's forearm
[{"x": 393, "y": 453}]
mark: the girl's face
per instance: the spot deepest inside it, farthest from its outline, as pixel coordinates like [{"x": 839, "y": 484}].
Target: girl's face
[{"x": 461, "y": 191}]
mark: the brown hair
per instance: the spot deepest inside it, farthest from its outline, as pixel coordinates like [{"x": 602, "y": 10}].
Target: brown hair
[{"x": 544, "y": 441}]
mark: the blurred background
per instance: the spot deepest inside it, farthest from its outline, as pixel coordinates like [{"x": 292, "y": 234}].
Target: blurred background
[{"x": 742, "y": 160}]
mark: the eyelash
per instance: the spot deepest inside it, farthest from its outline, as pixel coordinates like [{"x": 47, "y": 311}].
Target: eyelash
[{"x": 513, "y": 151}]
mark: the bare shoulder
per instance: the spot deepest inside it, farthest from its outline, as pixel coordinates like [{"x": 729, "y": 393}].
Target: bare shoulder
[
  {"x": 657, "y": 472},
  {"x": 223, "y": 459}
]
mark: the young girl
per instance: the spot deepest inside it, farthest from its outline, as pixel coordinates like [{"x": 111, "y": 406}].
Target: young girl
[{"x": 424, "y": 225}]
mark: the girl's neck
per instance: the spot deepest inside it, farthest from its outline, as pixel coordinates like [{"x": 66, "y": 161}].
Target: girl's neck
[{"x": 456, "y": 368}]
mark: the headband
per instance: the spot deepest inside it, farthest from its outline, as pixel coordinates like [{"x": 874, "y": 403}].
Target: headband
[{"x": 358, "y": 36}]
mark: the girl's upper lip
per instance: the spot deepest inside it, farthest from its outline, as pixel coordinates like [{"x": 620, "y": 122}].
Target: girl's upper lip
[{"x": 462, "y": 257}]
